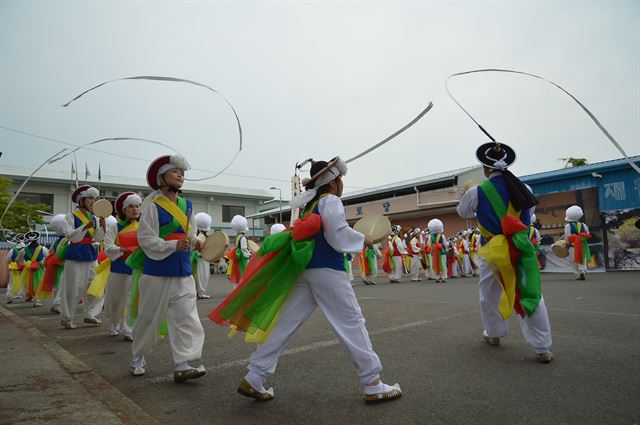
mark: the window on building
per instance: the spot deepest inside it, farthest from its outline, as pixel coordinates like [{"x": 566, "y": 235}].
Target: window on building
[
  {"x": 37, "y": 198},
  {"x": 228, "y": 211}
]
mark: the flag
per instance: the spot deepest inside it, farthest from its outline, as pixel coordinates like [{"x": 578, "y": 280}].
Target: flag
[
  {"x": 86, "y": 171},
  {"x": 99, "y": 173}
]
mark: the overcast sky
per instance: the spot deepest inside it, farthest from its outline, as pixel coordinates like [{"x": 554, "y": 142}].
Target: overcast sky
[{"x": 318, "y": 79}]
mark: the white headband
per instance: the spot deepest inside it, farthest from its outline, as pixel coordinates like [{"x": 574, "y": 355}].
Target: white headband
[
  {"x": 131, "y": 200},
  {"x": 339, "y": 169}
]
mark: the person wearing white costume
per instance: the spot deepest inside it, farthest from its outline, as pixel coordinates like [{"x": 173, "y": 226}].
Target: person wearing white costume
[
  {"x": 82, "y": 229},
  {"x": 203, "y": 267},
  {"x": 397, "y": 251},
  {"x": 463, "y": 251},
  {"x": 574, "y": 232},
  {"x": 324, "y": 284},
  {"x": 166, "y": 233},
  {"x": 437, "y": 247},
  {"x": 477, "y": 202},
  {"x": 120, "y": 242},
  {"x": 57, "y": 225},
  {"x": 16, "y": 261},
  {"x": 414, "y": 251}
]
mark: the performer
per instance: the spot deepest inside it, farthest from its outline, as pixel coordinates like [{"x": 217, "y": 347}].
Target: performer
[
  {"x": 347, "y": 266},
  {"x": 453, "y": 267},
  {"x": 322, "y": 283},
  {"x": 503, "y": 206},
  {"x": 414, "y": 252},
  {"x": 534, "y": 237},
  {"x": 473, "y": 249},
  {"x": 82, "y": 229},
  {"x": 15, "y": 267},
  {"x": 369, "y": 263},
  {"x": 166, "y": 287},
  {"x": 238, "y": 255},
  {"x": 426, "y": 254},
  {"x": 200, "y": 266},
  {"x": 576, "y": 234},
  {"x": 396, "y": 252},
  {"x": 121, "y": 240},
  {"x": 438, "y": 249},
  {"x": 463, "y": 251},
  {"x": 34, "y": 255},
  {"x": 54, "y": 264}
]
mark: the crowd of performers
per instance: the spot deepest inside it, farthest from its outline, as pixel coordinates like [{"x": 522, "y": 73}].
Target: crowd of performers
[{"x": 143, "y": 270}]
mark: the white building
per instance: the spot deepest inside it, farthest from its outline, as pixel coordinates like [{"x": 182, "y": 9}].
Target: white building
[{"x": 54, "y": 188}]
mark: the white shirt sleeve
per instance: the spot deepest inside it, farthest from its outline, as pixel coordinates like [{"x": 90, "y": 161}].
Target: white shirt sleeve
[
  {"x": 76, "y": 234},
  {"x": 110, "y": 248},
  {"x": 414, "y": 245},
  {"x": 151, "y": 243},
  {"x": 567, "y": 231},
  {"x": 468, "y": 203},
  {"x": 336, "y": 230},
  {"x": 244, "y": 247},
  {"x": 585, "y": 228},
  {"x": 376, "y": 250}
]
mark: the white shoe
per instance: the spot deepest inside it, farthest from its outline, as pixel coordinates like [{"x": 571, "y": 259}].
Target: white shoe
[{"x": 137, "y": 366}]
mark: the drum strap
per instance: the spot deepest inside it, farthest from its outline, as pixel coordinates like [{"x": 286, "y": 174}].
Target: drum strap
[{"x": 84, "y": 219}]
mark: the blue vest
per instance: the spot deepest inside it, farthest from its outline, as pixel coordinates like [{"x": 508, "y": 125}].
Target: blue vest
[
  {"x": 485, "y": 215},
  {"x": 324, "y": 256},
  {"x": 14, "y": 253},
  {"x": 177, "y": 264},
  {"x": 118, "y": 266},
  {"x": 30, "y": 250},
  {"x": 79, "y": 251},
  {"x": 573, "y": 226}
]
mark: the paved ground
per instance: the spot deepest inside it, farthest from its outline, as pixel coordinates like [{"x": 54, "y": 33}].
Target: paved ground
[{"x": 427, "y": 336}]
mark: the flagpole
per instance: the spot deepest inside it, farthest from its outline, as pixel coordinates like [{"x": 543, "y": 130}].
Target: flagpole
[{"x": 99, "y": 178}]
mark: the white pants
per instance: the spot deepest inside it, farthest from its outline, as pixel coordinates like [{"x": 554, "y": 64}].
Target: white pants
[
  {"x": 117, "y": 301},
  {"x": 57, "y": 295},
  {"x": 9, "y": 294},
  {"x": 75, "y": 279},
  {"x": 578, "y": 267},
  {"x": 203, "y": 276},
  {"x": 467, "y": 270},
  {"x": 416, "y": 266},
  {"x": 443, "y": 267},
  {"x": 173, "y": 298},
  {"x": 396, "y": 273},
  {"x": 535, "y": 329},
  {"x": 332, "y": 292}
]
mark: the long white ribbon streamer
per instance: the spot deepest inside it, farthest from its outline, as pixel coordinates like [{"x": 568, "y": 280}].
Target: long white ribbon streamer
[
  {"x": 66, "y": 152},
  {"x": 178, "y": 80},
  {"x": 584, "y": 108},
  {"x": 377, "y": 145}
]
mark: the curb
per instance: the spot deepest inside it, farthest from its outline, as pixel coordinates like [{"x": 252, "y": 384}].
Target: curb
[{"x": 119, "y": 404}]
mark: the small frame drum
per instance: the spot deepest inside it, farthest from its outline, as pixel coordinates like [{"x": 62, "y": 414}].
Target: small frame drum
[
  {"x": 376, "y": 225},
  {"x": 102, "y": 208},
  {"x": 214, "y": 246},
  {"x": 560, "y": 248}
]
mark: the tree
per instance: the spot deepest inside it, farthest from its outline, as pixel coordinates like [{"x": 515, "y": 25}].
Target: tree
[
  {"x": 15, "y": 220},
  {"x": 574, "y": 162}
]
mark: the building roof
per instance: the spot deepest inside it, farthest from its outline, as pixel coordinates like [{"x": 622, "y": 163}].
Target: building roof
[
  {"x": 19, "y": 173},
  {"x": 573, "y": 172},
  {"x": 404, "y": 187}
]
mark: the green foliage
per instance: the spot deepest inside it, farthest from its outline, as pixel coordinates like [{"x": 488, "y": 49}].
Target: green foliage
[
  {"x": 16, "y": 218},
  {"x": 574, "y": 162}
]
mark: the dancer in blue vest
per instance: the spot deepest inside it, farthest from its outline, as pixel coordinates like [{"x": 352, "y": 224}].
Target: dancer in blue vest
[
  {"x": 121, "y": 241},
  {"x": 166, "y": 233},
  {"x": 82, "y": 229},
  {"x": 58, "y": 247},
  {"x": 503, "y": 206},
  {"x": 324, "y": 284},
  {"x": 576, "y": 234}
]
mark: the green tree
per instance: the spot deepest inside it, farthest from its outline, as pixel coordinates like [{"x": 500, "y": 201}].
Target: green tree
[
  {"x": 16, "y": 218},
  {"x": 574, "y": 162}
]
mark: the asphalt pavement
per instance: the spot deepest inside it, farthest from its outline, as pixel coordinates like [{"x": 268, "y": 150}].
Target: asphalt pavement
[{"x": 427, "y": 335}]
